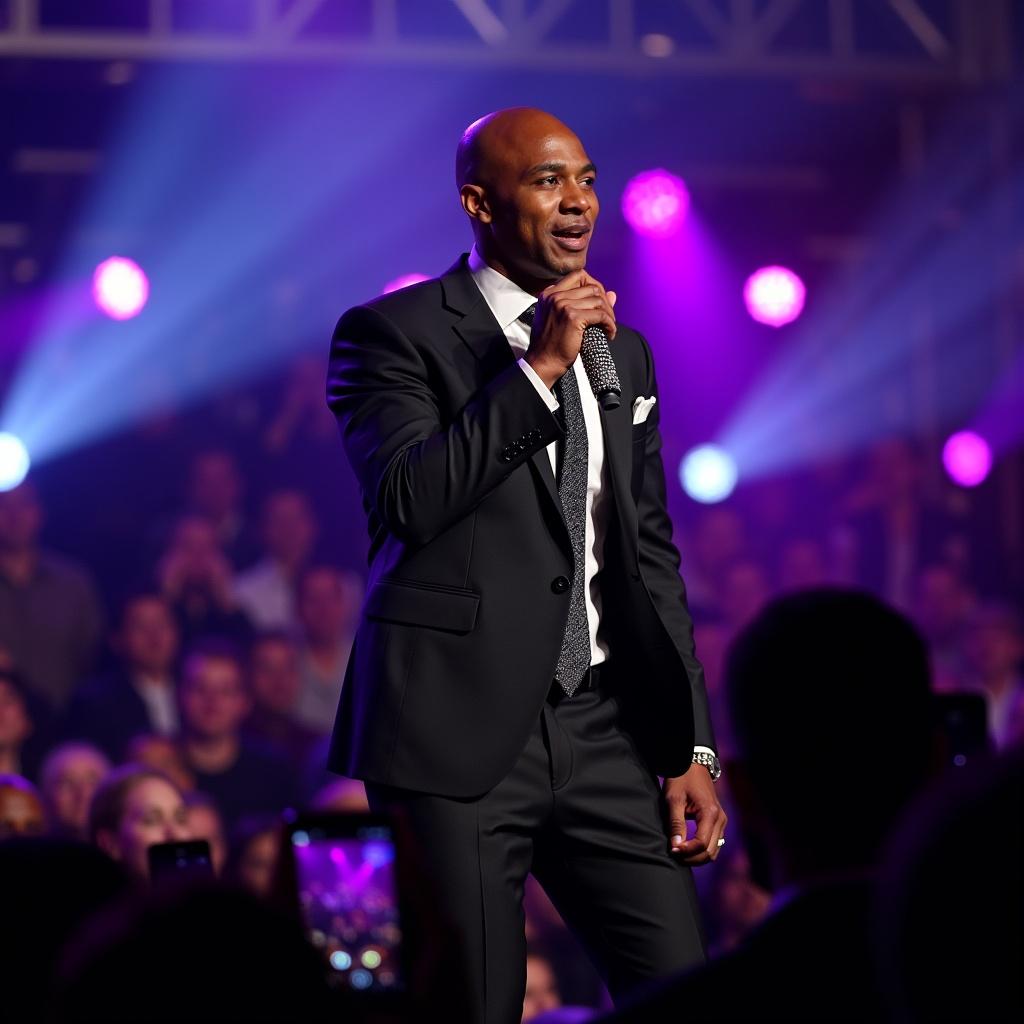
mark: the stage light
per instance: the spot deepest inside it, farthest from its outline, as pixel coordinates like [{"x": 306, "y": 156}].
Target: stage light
[
  {"x": 120, "y": 288},
  {"x": 967, "y": 458},
  {"x": 14, "y": 462},
  {"x": 708, "y": 474},
  {"x": 404, "y": 281},
  {"x": 371, "y": 958},
  {"x": 774, "y": 296},
  {"x": 655, "y": 203},
  {"x": 340, "y": 960}
]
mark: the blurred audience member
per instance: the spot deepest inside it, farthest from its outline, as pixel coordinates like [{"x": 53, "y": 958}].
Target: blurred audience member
[
  {"x": 134, "y": 808},
  {"x": 50, "y": 617},
  {"x": 995, "y": 668},
  {"x": 942, "y": 603},
  {"x": 275, "y": 682},
  {"x": 847, "y": 678},
  {"x": 68, "y": 780},
  {"x": 242, "y": 777},
  {"x": 328, "y": 606},
  {"x": 718, "y": 540},
  {"x": 16, "y": 726},
  {"x": 266, "y": 592},
  {"x": 215, "y": 492},
  {"x": 895, "y": 529},
  {"x": 711, "y": 639},
  {"x": 745, "y": 590},
  {"x": 164, "y": 755},
  {"x": 949, "y": 942},
  {"x": 139, "y": 695},
  {"x": 209, "y": 953},
  {"x": 205, "y": 822},
  {"x": 341, "y": 795},
  {"x": 541, "y": 986},
  {"x": 196, "y": 578},
  {"x": 802, "y": 564},
  {"x": 737, "y": 904},
  {"x": 253, "y": 854},
  {"x": 21, "y": 809}
]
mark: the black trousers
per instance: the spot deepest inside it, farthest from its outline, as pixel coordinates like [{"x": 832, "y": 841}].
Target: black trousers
[{"x": 581, "y": 810}]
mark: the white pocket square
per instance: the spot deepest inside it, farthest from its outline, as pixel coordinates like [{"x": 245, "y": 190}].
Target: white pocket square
[{"x": 642, "y": 408}]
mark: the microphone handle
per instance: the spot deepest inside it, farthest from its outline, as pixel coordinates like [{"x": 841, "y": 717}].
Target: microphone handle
[{"x": 600, "y": 367}]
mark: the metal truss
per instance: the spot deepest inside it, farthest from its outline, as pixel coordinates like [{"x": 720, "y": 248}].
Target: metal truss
[{"x": 942, "y": 40}]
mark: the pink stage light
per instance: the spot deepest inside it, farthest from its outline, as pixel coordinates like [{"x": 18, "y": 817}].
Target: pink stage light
[
  {"x": 120, "y": 288},
  {"x": 404, "y": 281},
  {"x": 655, "y": 203},
  {"x": 967, "y": 458},
  {"x": 774, "y": 296}
]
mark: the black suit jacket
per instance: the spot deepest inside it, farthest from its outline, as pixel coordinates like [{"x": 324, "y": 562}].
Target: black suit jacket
[
  {"x": 109, "y": 712},
  {"x": 467, "y": 600}
]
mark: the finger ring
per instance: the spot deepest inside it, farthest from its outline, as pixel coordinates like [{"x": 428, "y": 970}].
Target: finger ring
[{"x": 721, "y": 842}]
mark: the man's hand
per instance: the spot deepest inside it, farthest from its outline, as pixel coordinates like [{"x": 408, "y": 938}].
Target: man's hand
[
  {"x": 564, "y": 311},
  {"x": 693, "y": 796}
]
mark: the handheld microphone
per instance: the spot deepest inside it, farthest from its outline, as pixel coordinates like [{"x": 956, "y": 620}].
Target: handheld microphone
[{"x": 600, "y": 367}]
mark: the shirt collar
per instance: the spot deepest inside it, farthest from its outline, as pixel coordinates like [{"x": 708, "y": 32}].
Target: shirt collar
[{"x": 505, "y": 298}]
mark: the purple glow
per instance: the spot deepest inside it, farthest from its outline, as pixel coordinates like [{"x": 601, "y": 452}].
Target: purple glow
[
  {"x": 404, "y": 281},
  {"x": 655, "y": 203},
  {"x": 120, "y": 288},
  {"x": 774, "y": 296},
  {"x": 967, "y": 458}
]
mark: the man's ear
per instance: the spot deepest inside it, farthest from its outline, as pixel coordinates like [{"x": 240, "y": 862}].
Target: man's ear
[{"x": 474, "y": 202}]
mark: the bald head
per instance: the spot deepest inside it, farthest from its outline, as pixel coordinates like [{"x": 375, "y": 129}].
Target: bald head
[
  {"x": 527, "y": 184},
  {"x": 489, "y": 141}
]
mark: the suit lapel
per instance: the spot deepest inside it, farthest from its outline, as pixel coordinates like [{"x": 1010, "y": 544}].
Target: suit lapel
[
  {"x": 616, "y": 427},
  {"x": 484, "y": 337}
]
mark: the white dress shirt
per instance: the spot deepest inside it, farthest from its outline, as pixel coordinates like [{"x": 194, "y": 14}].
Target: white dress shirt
[{"x": 506, "y": 301}]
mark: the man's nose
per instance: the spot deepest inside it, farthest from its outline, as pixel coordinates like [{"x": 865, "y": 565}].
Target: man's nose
[{"x": 576, "y": 199}]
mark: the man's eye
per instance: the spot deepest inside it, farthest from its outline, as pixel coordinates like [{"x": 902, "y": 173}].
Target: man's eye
[
  {"x": 552, "y": 178},
  {"x": 589, "y": 181}
]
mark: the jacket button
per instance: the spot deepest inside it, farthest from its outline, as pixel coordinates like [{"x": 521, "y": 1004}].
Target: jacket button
[{"x": 560, "y": 584}]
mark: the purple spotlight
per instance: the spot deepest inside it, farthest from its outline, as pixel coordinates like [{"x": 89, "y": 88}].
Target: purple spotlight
[
  {"x": 967, "y": 458},
  {"x": 120, "y": 288},
  {"x": 774, "y": 296},
  {"x": 404, "y": 281},
  {"x": 655, "y": 203}
]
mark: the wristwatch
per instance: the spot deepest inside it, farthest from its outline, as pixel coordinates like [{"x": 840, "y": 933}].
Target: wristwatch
[{"x": 710, "y": 761}]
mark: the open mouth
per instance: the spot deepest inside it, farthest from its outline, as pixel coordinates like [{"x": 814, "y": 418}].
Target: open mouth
[{"x": 574, "y": 237}]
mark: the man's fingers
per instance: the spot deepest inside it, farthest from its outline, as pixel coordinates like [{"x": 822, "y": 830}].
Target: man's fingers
[
  {"x": 611, "y": 297},
  {"x": 704, "y": 844}
]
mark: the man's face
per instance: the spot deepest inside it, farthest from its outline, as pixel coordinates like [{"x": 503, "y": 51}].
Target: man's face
[
  {"x": 323, "y": 608},
  {"x": 21, "y": 813},
  {"x": 274, "y": 676},
  {"x": 69, "y": 786},
  {"x": 288, "y": 528},
  {"x": 149, "y": 636},
  {"x": 541, "y": 203},
  {"x": 213, "y": 699}
]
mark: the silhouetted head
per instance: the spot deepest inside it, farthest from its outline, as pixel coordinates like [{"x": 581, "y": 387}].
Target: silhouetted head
[
  {"x": 829, "y": 696},
  {"x": 528, "y": 184}
]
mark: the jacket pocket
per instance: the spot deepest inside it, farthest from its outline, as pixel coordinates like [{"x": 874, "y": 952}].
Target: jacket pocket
[{"x": 433, "y": 605}]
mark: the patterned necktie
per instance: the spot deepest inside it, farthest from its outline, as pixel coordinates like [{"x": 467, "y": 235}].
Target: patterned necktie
[{"x": 574, "y": 656}]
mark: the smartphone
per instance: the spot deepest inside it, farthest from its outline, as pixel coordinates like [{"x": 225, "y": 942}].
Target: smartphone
[
  {"x": 180, "y": 861},
  {"x": 345, "y": 877}
]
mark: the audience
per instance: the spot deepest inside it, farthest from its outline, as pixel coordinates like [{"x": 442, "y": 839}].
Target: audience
[
  {"x": 138, "y": 695},
  {"x": 328, "y": 605},
  {"x": 68, "y": 780},
  {"x": 195, "y": 577},
  {"x": 21, "y": 809},
  {"x": 16, "y": 726},
  {"x": 275, "y": 683},
  {"x": 995, "y": 668},
  {"x": 164, "y": 755},
  {"x": 134, "y": 808},
  {"x": 205, "y": 822},
  {"x": 215, "y": 491},
  {"x": 242, "y": 777},
  {"x": 254, "y": 853},
  {"x": 50, "y": 616},
  {"x": 266, "y": 591}
]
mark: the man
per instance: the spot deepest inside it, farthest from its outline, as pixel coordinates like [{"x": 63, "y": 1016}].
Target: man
[
  {"x": 138, "y": 696},
  {"x": 524, "y": 668},
  {"x": 266, "y": 591},
  {"x": 242, "y": 777},
  {"x": 68, "y": 780},
  {"x": 50, "y": 617}
]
